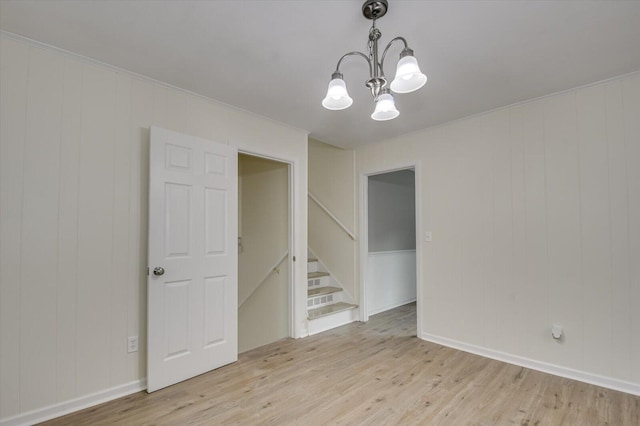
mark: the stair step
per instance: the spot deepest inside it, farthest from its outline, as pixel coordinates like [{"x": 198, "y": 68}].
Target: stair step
[
  {"x": 312, "y": 275},
  {"x": 311, "y": 260},
  {"x": 319, "y": 291},
  {"x": 329, "y": 309}
]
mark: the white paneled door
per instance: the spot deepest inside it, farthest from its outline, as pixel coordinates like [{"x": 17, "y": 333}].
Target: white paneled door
[{"x": 192, "y": 284}]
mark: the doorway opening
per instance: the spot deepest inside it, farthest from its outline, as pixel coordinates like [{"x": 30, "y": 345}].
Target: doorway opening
[
  {"x": 264, "y": 244},
  {"x": 389, "y": 247}
]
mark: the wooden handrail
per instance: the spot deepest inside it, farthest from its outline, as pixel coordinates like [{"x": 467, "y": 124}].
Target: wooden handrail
[
  {"x": 274, "y": 268},
  {"x": 332, "y": 216}
]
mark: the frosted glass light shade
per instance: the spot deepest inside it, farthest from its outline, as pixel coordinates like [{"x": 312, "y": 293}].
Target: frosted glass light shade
[
  {"x": 385, "y": 108},
  {"x": 408, "y": 76},
  {"x": 337, "y": 97}
]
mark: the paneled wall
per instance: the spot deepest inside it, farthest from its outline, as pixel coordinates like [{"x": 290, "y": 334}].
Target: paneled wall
[
  {"x": 332, "y": 182},
  {"x": 73, "y": 224},
  {"x": 535, "y": 215},
  {"x": 391, "y": 280},
  {"x": 263, "y": 217}
]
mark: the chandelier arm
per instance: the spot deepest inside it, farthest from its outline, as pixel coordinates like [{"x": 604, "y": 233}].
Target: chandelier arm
[
  {"x": 406, "y": 46},
  {"x": 355, "y": 54}
]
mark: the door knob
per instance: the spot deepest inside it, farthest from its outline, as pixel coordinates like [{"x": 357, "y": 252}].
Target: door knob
[{"x": 158, "y": 271}]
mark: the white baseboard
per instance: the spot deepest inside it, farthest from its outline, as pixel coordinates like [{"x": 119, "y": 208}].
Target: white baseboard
[
  {"x": 66, "y": 407},
  {"x": 321, "y": 324},
  {"x": 393, "y": 305},
  {"x": 569, "y": 373}
]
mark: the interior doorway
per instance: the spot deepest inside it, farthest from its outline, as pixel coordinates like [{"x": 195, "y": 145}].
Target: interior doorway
[
  {"x": 389, "y": 247},
  {"x": 264, "y": 238}
]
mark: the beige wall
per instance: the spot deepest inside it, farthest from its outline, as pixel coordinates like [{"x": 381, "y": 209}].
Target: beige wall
[
  {"x": 263, "y": 295},
  {"x": 535, "y": 214},
  {"x": 73, "y": 230},
  {"x": 332, "y": 182}
]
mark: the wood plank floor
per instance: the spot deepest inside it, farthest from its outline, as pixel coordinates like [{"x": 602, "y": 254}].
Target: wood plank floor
[{"x": 376, "y": 373}]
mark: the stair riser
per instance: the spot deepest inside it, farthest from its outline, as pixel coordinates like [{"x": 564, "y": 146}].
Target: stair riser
[
  {"x": 319, "y": 282},
  {"x": 327, "y": 299},
  {"x": 317, "y": 302},
  {"x": 331, "y": 321},
  {"x": 313, "y": 267},
  {"x": 327, "y": 310}
]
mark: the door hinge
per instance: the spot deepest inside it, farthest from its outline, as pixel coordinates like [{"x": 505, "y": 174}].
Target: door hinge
[
  {"x": 147, "y": 271},
  {"x": 294, "y": 258}
]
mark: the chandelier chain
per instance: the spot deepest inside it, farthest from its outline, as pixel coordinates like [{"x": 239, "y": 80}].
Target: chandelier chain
[
  {"x": 371, "y": 38},
  {"x": 370, "y": 49}
]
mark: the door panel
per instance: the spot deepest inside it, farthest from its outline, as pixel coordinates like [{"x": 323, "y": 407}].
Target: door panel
[
  {"x": 178, "y": 220},
  {"x": 215, "y": 289},
  {"x": 176, "y": 310},
  {"x": 215, "y": 209},
  {"x": 192, "y": 304}
]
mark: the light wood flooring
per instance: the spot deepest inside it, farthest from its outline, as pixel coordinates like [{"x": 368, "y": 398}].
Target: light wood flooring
[{"x": 376, "y": 373}]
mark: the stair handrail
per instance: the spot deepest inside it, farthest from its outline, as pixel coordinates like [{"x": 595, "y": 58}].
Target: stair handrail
[
  {"x": 273, "y": 268},
  {"x": 332, "y": 216}
]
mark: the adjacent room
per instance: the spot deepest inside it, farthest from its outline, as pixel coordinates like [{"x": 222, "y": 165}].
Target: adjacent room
[
  {"x": 391, "y": 240},
  {"x": 381, "y": 212}
]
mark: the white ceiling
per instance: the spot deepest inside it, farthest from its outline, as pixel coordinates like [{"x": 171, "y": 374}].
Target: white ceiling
[{"x": 275, "y": 58}]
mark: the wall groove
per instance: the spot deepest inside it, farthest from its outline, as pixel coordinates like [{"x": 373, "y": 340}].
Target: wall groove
[
  {"x": 575, "y": 227},
  {"x": 74, "y": 218}
]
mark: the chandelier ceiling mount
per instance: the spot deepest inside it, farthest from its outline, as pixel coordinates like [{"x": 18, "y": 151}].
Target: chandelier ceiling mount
[
  {"x": 408, "y": 77},
  {"x": 374, "y": 9}
]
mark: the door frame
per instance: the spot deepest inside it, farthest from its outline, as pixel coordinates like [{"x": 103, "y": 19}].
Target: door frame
[
  {"x": 364, "y": 235},
  {"x": 291, "y": 234}
]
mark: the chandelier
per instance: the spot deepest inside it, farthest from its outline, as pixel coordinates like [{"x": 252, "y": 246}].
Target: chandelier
[{"x": 408, "y": 76}]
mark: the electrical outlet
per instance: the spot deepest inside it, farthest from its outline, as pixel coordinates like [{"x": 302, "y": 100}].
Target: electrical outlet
[{"x": 132, "y": 344}]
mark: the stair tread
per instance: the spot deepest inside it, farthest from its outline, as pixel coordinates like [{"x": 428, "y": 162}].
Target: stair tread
[
  {"x": 312, "y": 275},
  {"x": 319, "y": 291},
  {"x": 329, "y": 309},
  {"x": 311, "y": 260}
]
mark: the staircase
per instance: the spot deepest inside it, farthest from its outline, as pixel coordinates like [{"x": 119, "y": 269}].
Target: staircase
[{"x": 328, "y": 305}]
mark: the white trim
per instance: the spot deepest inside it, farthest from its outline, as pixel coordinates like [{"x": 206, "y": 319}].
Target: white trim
[
  {"x": 569, "y": 373},
  {"x": 500, "y": 108},
  {"x": 393, "y": 305},
  {"x": 72, "y": 405},
  {"x": 271, "y": 270},
  {"x": 291, "y": 294},
  {"x": 364, "y": 235},
  {"x": 297, "y": 215},
  {"x": 355, "y": 249},
  {"x": 390, "y": 252},
  {"x": 417, "y": 170},
  {"x": 364, "y": 245},
  {"x": 332, "y": 216},
  {"x": 329, "y": 322},
  {"x": 87, "y": 59},
  {"x": 295, "y": 300},
  {"x": 264, "y": 156},
  {"x": 405, "y": 285}
]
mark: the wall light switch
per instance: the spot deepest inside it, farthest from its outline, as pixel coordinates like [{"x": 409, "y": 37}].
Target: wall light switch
[{"x": 428, "y": 237}]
